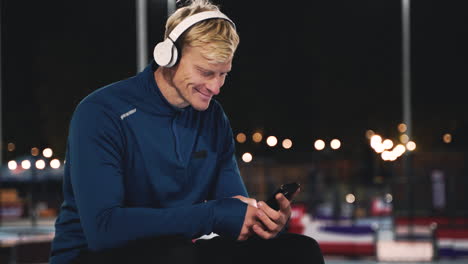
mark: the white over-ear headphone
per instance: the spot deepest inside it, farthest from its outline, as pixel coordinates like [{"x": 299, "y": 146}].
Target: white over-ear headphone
[{"x": 165, "y": 53}]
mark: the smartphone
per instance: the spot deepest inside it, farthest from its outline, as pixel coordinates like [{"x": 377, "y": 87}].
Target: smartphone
[{"x": 287, "y": 190}]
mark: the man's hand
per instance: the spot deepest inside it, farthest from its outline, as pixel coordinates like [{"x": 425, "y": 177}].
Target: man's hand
[
  {"x": 249, "y": 201},
  {"x": 250, "y": 217},
  {"x": 262, "y": 220},
  {"x": 272, "y": 221},
  {"x": 250, "y": 220}
]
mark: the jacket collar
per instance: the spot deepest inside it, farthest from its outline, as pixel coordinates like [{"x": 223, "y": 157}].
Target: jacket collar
[{"x": 156, "y": 100}]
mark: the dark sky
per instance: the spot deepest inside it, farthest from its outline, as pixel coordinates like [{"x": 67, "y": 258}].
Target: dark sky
[{"x": 308, "y": 70}]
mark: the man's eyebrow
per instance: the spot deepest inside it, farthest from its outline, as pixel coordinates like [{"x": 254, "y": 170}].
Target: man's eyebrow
[
  {"x": 201, "y": 68},
  {"x": 207, "y": 70}
]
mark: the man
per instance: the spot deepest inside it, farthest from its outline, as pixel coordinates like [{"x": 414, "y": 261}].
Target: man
[{"x": 150, "y": 164}]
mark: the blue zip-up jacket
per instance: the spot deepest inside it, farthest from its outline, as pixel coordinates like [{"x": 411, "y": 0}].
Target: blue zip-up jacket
[{"x": 139, "y": 167}]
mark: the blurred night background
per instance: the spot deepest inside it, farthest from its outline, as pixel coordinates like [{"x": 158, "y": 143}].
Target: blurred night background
[{"x": 304, "y": 71}]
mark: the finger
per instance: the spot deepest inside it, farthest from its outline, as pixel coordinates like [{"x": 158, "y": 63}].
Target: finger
[
  {"x": 270, "y": 212},
  {"x": 266, "y": 221},
  {"x": 252, "y": 202},
  {"x": 242, "y": 238},
  {"x": 284, "y": 204},
  {"x": 262, "y": 233},
  {"x": 243, "y": 234},
  {"x": 249, "y": 201}
]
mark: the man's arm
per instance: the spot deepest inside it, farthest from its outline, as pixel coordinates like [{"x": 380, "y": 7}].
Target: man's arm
[
  {"x": 229, "y": 181},
  {"x": 96, "y": 147},
  {"x": 262, "y": 220}
]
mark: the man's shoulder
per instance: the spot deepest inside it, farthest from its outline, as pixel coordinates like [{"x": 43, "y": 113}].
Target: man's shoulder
[
  {"x": 114, "y": 97},
  {"x": 111, "y": 92}
]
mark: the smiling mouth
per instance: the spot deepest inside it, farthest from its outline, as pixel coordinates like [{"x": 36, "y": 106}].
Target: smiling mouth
[{"x": 204, "y": 95}]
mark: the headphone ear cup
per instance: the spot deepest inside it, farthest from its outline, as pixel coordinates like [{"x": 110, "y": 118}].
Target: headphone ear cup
[
  {"x": 175, "y": 57},
  {"x": 163, "y": 53}
]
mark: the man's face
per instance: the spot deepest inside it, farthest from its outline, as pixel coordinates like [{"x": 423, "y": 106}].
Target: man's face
[{"x": 197, "y": 80}]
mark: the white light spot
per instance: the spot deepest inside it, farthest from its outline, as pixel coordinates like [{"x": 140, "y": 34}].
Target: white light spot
[
  {"x": 47, "y": 152},
  {"x": 40, "y": 164},
  {"x": 12, "y": 165},
  {"x": 388, "y": 144},
  {"x": 411, "y": 146},
  {"x": 272, "y": 141},
  {"x": 375, "y": 141},
  {"x": 350, "y": 198},
  {"x": 247, "y": 157},
  {"x": 319, "y": 144},
  {"x": 55, "y": 163},
  {"x": 388, "y": 198},
  {"x": 287, "y": 143},
  {"x": 26, "y": 164},
  {"x": 335, "y": 144}
]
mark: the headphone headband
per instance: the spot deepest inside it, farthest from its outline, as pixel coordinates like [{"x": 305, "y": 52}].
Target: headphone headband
[
  {"x": 165, "y": 53},
  {"x": 193, "y": 19}
]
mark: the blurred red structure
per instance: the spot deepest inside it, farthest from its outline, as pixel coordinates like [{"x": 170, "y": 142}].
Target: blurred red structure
[{"x": 297, "y": 213}]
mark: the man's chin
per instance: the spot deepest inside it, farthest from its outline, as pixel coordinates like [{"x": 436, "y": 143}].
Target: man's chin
[{"x": 201, "y": 106}]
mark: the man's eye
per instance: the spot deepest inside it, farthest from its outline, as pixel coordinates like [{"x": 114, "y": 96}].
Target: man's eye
[{"x": 206, "y": 74}]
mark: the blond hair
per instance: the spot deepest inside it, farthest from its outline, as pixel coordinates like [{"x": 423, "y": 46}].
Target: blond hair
[{"x": 217, "y": 37}]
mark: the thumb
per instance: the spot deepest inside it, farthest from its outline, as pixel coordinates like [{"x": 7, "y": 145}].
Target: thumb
[{"x": 249, "y": 201}]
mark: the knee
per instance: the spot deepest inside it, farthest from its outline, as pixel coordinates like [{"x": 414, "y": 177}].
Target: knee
[
  {"x": 307, "y": 248},
  {"x": 306, "y": 242}
]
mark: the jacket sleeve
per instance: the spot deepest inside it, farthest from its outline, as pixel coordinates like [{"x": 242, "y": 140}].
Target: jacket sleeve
[
  {"x": 96, "y": 148},
  {"x": 229, "y": 182}
]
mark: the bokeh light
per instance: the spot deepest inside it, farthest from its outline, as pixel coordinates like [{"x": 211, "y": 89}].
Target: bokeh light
[
  {"x": 40, "y": 164},
  {"x": 11, "y": 146},
  {"x": 241, "y": 138},
  {"x": 375, "y": 141},
  {"x": 287, "y": 143},
  {"x": 319, "y": 144},
  {"x": 34, "y": 151},
  {"x": 388, "y": 144},
  {"x": 26, "y": 164},
  {"x": 350, "y": 198},
  {"x": 388, "y": 198},
  {"x": 447, "y": 138},
  {"x": 335, "y": 144},
  {"x": 12, "y": 165},
  {"x": 257, "y": 137},
  {"x": 402, "y": 128},
  {"x": 369, "y": 134},
  {"x": 404, "y": 138},
  {"x": 47, "y": 152},
  {"x": 247, "y": 157},
  {"x": 388, "y": 155},
  {"x": 411, "y": 145},
  {"x": 272, "y": 141},
  {"x": 399, "y": 150},
  {"x": 379, "y": 148},
  {"x": 55, "y": 163}
]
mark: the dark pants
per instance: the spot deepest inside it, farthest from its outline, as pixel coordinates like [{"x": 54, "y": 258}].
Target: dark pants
[{"x": 286, "y": 248}]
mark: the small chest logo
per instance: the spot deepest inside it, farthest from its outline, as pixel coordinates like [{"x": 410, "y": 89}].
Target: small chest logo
[{"x": 128, "y": 113}]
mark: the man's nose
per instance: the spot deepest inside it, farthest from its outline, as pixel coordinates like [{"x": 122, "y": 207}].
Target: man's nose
[{"x": 214, "y": 85}]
